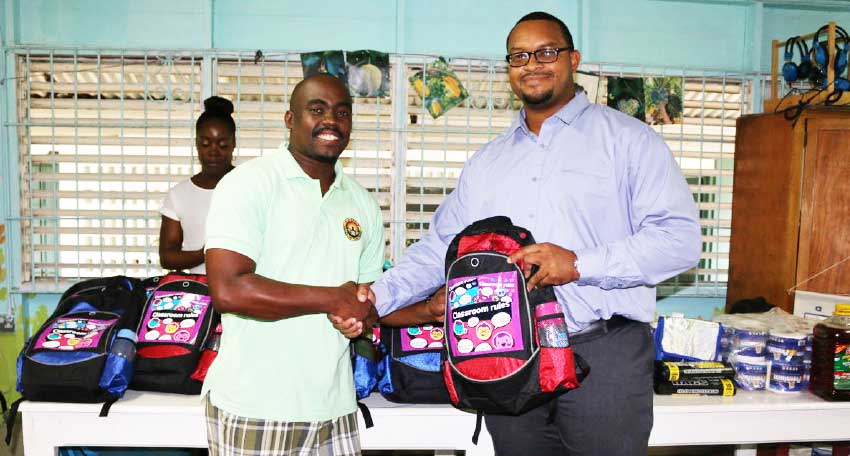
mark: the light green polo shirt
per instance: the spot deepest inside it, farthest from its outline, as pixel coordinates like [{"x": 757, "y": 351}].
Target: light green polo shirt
[{"x": 268, "y": 209}]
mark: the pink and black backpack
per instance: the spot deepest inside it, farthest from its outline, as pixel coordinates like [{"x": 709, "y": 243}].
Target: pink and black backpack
[
  {"x": 493, "y": 362},
  {"x": 176, "y": 323}
]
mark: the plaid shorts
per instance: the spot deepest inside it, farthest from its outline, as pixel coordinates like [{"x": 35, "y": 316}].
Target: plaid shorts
[{"x": 231, "y": 435}]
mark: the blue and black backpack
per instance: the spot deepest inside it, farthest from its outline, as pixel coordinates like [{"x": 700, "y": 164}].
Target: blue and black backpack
[
  {"x": 367, "y": 354},
  {"x": 411, "y": 366},
  {"x": 68, "y": 359},
  {"x": 402, "y": 364}
]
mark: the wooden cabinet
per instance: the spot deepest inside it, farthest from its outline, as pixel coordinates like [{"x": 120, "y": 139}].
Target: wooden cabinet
[{"x": 791, "y": 206}]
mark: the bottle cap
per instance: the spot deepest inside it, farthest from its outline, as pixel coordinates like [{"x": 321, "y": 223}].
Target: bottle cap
[{"x": 127, "y": 334}]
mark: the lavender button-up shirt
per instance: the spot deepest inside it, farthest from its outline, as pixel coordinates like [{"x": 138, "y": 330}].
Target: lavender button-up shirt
[{"x": 594, "y": 181}]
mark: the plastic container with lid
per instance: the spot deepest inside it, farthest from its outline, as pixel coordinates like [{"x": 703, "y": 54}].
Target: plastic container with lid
[{"x": 830, "y": 372}]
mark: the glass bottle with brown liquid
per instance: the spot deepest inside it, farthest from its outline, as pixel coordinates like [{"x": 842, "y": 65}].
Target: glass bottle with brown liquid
[{"x": 830, "y": 375}]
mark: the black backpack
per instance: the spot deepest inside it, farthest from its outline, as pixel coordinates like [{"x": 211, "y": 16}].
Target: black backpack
[
  {"x": 69, "y": 359},
  {"x": 411, "y": 373},
  {"x": 176, "y": 322},
  {"x": 493, "y": 362}
]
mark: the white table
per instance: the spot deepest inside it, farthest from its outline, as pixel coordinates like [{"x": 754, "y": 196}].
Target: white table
[{"x": 169, "y": 420}]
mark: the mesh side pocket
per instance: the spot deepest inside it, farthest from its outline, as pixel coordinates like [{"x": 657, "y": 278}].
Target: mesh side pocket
[{"x": 557, "y": 369}]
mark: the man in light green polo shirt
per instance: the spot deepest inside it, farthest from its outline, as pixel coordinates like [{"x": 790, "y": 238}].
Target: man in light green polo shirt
[{"x": 289, "y": 237}]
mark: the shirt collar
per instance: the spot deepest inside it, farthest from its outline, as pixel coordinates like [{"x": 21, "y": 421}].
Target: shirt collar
[
  {"x": 293, "y": 170},
  {"x": 567, "y": 114}
]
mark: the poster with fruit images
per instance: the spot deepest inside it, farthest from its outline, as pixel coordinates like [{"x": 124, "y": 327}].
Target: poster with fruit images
[
  {"x": 654, "y": 100},
  {"x": 589, "y": 83},
  {"x": 627, "y": 95},
  {"x": 368, "y": 73},
  {"x": 438, "y": 87},
  {"x": 330, "y": 62},
  {"x": 663, "y": 100}
]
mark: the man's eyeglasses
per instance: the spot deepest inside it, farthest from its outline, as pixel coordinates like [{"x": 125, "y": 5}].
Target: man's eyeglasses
[{"x": 545, "y": 55}]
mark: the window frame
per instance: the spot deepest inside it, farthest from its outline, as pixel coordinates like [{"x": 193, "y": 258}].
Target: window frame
[{"x": 395, "y": 131}]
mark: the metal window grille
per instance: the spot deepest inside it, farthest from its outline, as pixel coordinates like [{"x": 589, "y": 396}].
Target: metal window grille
[
  {"x": 703, "y": 145},
  {"x": 103, "y": 135},
  {"x": 102, "y": 138}
]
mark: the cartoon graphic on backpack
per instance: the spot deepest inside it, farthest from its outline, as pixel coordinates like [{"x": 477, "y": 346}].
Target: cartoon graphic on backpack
[
  {"x": 402, "y": 363},
  {"x": 412, "y": 373},
  {"x": 495, "y": 361},
  {"x": 177, "y": 320},
  {"x": 400, "y": 372},
  {"x": 75, "y": 355}
]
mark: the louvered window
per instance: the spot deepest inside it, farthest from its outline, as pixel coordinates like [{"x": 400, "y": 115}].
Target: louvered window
[
  {"x": 703, "y": 145},
  {"x": 103, "y": 136}
]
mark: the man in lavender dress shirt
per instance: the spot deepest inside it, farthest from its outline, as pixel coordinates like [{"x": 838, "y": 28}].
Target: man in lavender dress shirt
[{"x": 613, "y": 216}]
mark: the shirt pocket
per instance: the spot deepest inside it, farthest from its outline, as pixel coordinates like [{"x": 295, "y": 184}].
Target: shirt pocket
[{"x": 589, "y": 180}]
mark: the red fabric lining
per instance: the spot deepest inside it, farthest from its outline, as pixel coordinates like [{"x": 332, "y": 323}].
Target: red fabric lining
[
  {"x": 450, "y": 384},
  {"x": 162, "y": 351},
  {"x": 489, "y": 367},
  {"x": 557, "y": 368},
  {"x": 488, "y": 241},
  {"x": 177, "y": 276},
  {"x": 207, "y": 357}
]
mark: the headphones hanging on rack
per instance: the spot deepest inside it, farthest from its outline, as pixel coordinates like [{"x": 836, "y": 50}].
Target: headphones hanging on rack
[
  {"x": 820, "y": 60},
  {"x": 792, "y": 71}
]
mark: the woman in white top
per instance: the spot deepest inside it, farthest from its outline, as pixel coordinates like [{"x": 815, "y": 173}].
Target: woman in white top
[{"x": 184, "y": 210}]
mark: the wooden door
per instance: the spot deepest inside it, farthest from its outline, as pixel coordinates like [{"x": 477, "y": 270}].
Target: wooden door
[
  {"x": 765, "y": 210},
  {"x": 825, "y": 212}
]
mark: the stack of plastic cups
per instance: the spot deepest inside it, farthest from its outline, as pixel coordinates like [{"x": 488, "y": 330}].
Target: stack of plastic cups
[
  {"x": 807, "y": 327},
  {"x": 727, "y": 333},
  {"x": 748, "y": 354},
  {"x": 786, "y": 349},
  {"x": 807, "y": 361}
]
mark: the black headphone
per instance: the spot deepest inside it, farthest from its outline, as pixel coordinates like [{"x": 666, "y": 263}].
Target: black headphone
[
  {"x": 820, "y": 60},
  {"x": 792, "y": 71}
]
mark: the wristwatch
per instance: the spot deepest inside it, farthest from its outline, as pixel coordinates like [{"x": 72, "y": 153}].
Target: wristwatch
[{"x": 576, "y": 267}]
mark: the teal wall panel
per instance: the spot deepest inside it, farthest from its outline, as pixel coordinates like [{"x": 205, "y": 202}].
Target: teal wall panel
[
  {"x": 113, "y": 23},
  {"x": 475, "y": 27},
  {"x": 304, "y": 26},
  {"x": 654, "y": 33},
  {"x": 691, "y": 307},
  {"x": 658, "y": 33}
]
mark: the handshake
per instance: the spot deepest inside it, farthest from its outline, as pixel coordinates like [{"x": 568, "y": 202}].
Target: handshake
[{"x": 354, "y": 310}]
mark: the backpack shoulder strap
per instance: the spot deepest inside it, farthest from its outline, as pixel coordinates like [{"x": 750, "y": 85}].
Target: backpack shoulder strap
[
  {"x": 367, "y": 415},
  {"x": 9, "y": 417},
  {"x": 479, "y": 416},
  {"x": 104, "y": 411}
]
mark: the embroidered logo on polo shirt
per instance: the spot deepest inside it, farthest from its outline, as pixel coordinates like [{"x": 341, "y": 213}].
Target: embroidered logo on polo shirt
[{"x": 352, "y": 229}]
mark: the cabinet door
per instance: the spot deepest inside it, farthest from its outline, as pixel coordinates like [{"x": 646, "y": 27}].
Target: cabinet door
[
  {"x": 823, "y": 260},
  {"x": 765, "y": 210}
]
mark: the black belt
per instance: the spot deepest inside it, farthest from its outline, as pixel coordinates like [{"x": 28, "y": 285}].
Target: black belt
[{"x": 598, "y": 328}]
